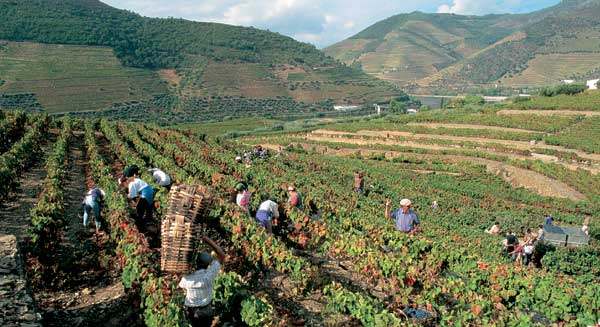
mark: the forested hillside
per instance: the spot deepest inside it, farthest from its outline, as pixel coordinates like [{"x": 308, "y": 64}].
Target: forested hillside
[
  {"x": 445, "y": 51},
  {"x": 147, "y": 42},
  {"x": 195, "y": 62}
]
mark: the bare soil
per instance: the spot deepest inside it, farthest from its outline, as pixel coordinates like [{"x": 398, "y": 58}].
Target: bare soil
[{"x": 170, "y": 75}]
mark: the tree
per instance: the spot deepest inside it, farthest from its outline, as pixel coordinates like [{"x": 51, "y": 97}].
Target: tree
[{"x": 397, "y": 107}]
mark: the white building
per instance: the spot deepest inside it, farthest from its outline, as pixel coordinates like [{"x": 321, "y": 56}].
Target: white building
[
  {"x": 568, "y": 81},
  {"x": 593, "y": 84},
  {"x": 345, "y": 108},
  {"x": 377, "y": 109},
  {"x": 412, "y": 111}
]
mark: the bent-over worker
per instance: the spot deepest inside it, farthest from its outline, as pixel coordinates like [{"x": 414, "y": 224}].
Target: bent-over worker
[
  {"x": 267, "y": 211},
  {"x": 406, "y": 220},
  {"x": 495, "y": 229},
  {"x": 141, "y": 195},
  {"x": 199, "y": 285},
  {"x": 92, "y": 203},
  {"x": 161, "y": 178}
]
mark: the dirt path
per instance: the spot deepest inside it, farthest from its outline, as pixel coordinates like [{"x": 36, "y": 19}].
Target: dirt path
[
  {"x": 383, "y": 137},
  {"x": 517, "y": 177},
  {"x": 549, "y": 112},
  {"x": 87, "y": 289},
  {"x": 471, "y": 126}
]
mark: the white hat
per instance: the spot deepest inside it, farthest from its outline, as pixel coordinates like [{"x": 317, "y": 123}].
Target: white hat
[
  {"x": 291, "y": 188},
  {"x": 405, "y": 203},
  {"x": 238, "y": 158}
]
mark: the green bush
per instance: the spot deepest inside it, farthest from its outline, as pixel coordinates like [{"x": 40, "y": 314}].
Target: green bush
[
  {"x": 256, "y": 311},
  {"x": 573, "y": 261},
  {"x": 567, "y": 89},
  {"x": 474, "y": 100}
]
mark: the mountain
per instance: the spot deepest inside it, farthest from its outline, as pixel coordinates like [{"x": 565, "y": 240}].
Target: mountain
[
  {"x": 447, "y": 51},
  {"x": 192, "y": 61}
]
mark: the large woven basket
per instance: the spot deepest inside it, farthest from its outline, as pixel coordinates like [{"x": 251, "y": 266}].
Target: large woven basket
[{"x": 180, "y": 229}]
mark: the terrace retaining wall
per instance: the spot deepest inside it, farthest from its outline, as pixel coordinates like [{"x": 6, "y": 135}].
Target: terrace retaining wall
[{"x": 17, "y": 308}]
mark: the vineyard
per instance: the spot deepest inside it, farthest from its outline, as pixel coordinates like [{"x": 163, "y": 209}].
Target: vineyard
[{"x": 338, "y": 260}]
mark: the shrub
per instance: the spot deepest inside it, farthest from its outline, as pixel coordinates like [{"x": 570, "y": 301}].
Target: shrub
[
  {"x": 567, "y": 89},
  {"x": 474, "y": 99}
]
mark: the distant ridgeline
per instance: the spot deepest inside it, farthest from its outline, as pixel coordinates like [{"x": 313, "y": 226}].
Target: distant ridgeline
[
  {"x": 447, "y": 51},
  {"x": 146, "y": 42},
  {"x": 156, "y": 58}
]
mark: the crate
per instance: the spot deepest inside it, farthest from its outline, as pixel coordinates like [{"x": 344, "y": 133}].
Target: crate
[
  {"x": 565, "y": 236},
  {"x": 181, "y": 229}
]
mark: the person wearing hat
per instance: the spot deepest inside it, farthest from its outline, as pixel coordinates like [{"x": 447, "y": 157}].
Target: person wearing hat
[
  {"x": 242, "y": 198},
  {"x": 267, "y": 211},
  {"x": 406, "y": 220},
  {"x": 131, "y": 171},
  {"x": 294, "y": 200},
  {"x": 161, "y": 178},
  {"x": 199, "y": 285},
  {"x": 141, "y": 194}
]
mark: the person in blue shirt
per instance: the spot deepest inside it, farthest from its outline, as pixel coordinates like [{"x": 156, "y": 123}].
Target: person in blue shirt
[
  {"x": 140, "y": 194},
  {"x": 548, "y": 220},
  {"x": 405, "y": 219}
]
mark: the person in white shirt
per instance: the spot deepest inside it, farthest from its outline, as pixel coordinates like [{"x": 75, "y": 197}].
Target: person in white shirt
[
  {"x": 586, "y": 226},
  {"x": 199, "y": 285},
  {"x": 92, "y": 203},
  {"x": 267, "y": 211},
  {"x": 161, "y": 178},
  {"x": 141, "y": 195},
  {"x": 495, "y": 229},
  {"x": 528, "y": 250}
]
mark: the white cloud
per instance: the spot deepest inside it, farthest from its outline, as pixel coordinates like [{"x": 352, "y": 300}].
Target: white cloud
[
  {"x": 444, "y": 9},
  {"x": 316, "y": 21},
  {"x": 307, "y": 37},
  {"x": 478, "y": 7}
]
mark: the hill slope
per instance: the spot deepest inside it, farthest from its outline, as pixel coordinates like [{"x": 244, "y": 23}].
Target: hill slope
[
  {"x": 205, "y": 60},
  {"x": 451, "y": 51}
]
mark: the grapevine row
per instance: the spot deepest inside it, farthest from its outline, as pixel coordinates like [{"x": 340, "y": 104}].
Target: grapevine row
[{"x": 21, "y": 154}]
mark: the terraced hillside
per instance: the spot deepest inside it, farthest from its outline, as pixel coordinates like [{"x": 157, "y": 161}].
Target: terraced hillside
[
  {"x": 71, "y": 78},
  {"x": 441, "y": 51},
  {"x": 334, "y": 261},
  {"x": 99, "y": 57}
]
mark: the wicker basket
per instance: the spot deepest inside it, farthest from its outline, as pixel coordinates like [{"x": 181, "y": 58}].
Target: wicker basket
[{"x": 180, "y": 229}]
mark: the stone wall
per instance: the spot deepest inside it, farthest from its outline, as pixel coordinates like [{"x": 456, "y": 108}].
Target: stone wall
[{"x": 16, "y": 304}]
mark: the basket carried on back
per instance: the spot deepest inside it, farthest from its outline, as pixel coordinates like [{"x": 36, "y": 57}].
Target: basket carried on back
[{"x": 180, "y": 229}]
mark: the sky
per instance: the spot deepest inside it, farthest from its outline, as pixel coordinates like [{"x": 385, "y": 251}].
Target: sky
[{"x": 320, "y": 22}]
